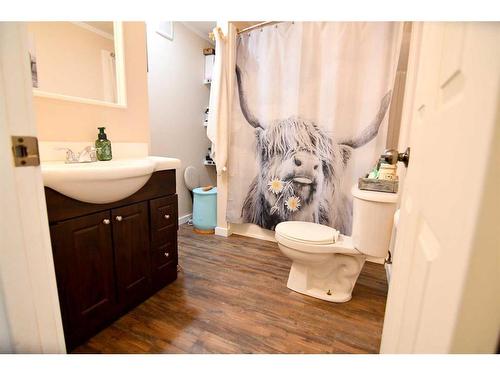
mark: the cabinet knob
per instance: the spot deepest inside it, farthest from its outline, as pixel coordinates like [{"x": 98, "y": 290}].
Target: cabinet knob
[
  {"x": 119, "y": 218},
  {"x": 166, "y": 216},
  {"x": 167, "y": 254},
  {"x": 106, "y": 221}
]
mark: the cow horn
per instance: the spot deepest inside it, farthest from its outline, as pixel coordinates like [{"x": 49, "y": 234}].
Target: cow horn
[
  {"x": 371, "y": 131},
  {"x": 243, "y": 102}
]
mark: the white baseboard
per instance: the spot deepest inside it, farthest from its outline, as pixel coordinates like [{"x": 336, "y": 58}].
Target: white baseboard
[
  {"x": 184, "y": 219},
  {"x": 224, "y": 232},
  {"x": 253, "y": 231},
  {"x": 388, "y": 272}
]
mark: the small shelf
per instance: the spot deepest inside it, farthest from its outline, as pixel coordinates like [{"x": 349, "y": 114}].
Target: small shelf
[{"x": 209, "y": 162}]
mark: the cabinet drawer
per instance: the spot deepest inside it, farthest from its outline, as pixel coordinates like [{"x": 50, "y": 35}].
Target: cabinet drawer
[
  {"x": 164, "y": 236},
  {"x": 164, "y": 212},
  {"x": 164, "y": 261},
  {"x": 163, "y": 255}
]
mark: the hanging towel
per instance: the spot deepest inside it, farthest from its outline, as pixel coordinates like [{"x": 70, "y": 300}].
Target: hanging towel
[{"x": 218, "y": 106}]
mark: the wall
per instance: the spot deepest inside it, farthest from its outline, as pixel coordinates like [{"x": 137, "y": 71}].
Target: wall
[
  {"x": 60, "y": 120},
  {"x": 177, "y": 101},
  {"x": 68, "y": 58},
  {"x": 396, "y": 109}
]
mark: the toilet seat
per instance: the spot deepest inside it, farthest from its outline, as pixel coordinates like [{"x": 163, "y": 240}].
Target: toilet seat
[
  {"x": 313, "y": 238},
  {"x": 303, "y": 231}
]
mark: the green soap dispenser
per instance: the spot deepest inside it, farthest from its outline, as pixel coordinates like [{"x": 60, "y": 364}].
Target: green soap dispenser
[{"x": 103, "y": 146}]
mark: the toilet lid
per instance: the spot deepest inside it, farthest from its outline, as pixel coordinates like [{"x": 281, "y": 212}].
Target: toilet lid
[{"x": 307, "y": 232}]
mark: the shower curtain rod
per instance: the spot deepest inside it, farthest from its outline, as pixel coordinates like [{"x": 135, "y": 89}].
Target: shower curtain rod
[{"x": 256, "y": 26}]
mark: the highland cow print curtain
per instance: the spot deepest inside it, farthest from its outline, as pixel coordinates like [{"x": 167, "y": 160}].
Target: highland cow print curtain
[{"x": 310, "y": 113}]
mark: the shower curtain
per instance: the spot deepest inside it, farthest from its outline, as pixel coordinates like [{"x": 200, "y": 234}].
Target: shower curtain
[{"x": 309, "y": 116}]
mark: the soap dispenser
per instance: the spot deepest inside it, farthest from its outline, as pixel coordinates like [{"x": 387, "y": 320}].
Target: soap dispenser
[{"x": 103, "y": 146}]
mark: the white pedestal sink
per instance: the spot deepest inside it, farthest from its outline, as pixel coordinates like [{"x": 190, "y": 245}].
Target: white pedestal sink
[{"x": 103, "y": 181}]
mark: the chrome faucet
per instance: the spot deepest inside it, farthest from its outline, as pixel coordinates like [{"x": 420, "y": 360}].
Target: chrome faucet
[{"x": 87, "y": 155}]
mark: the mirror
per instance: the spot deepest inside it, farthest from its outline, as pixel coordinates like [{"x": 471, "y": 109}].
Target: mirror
[{"x": 78, "y": 61}]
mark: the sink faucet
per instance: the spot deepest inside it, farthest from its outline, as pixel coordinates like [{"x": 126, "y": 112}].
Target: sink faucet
[{"x": 87, "y": 155}]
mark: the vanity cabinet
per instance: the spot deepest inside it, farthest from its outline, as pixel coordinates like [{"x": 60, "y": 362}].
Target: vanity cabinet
[{"x": 110, "y": 257}]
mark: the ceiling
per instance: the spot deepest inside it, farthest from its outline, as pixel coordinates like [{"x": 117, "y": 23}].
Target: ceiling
[
  {"x": 107, "y": 27},
  {"x": 201, "y": 28}
]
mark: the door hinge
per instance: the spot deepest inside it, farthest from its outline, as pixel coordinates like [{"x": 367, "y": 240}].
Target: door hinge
[
  {"x": 388, "y": 260},
  {"x": 25, "y": 151}
]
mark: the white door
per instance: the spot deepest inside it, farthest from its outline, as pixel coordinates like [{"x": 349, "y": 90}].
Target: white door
[
  {"x": 444, "y": 280},
  {"x": 30, "y": 319}
]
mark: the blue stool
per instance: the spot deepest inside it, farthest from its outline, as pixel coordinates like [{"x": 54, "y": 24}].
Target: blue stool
[{"x": 205, "y": 210}]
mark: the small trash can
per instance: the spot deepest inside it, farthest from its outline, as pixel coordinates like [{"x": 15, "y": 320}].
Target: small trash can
[{"x": 205, "y": 210}]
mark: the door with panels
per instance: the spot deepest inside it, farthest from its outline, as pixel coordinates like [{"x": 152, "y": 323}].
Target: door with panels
[{"x": 452, "y": 108}]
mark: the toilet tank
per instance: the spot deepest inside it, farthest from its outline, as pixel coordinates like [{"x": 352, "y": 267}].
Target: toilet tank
[{"x": 373, "y": 216}]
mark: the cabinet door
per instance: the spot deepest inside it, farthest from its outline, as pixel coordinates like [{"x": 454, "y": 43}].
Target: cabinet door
[
  {"x": 164, "y": 225},
  {"x": 132, "y": 258},
  {"x": 83, "y": 257}
]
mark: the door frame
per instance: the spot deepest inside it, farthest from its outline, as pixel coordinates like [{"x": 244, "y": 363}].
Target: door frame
[{"x": 30, "y": 318}]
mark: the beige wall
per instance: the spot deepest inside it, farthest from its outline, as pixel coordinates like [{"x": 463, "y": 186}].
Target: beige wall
[
  {"x": 59, "y": 120},
  {"x": 68, "y": 58},
  {"x": 177, "y": 101}
]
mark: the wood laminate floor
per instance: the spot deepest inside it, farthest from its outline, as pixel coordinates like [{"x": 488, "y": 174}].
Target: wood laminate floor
[{"x": 231, "y": 297}]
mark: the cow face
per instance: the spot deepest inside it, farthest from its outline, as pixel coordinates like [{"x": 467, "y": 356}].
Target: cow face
[
  {"x": 302, "y": 169},
  {"x": 299, "y": 155}
]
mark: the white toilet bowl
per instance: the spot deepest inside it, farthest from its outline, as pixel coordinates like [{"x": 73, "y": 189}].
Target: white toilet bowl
[{"x": 326, "y": 264}]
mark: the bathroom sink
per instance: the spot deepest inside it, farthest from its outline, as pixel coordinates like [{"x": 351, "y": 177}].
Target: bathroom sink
[{"x": 103, "y": 181}]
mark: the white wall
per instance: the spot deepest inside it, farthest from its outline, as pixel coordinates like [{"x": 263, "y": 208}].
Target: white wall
[{"x": 177, "y": 101}]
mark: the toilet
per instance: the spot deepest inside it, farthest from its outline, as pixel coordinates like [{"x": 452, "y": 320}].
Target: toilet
[{"x": 326, "y": 263}]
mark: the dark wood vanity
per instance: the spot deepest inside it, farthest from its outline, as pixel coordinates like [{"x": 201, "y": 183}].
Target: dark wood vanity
[{"x": 111, "y": 257}]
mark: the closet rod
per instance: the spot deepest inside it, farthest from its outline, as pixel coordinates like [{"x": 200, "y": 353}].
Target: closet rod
[{"x": 258, "y": 25}]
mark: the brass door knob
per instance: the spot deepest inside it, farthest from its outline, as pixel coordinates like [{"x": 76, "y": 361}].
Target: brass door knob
[
  {"x": 167, "y": 255},
  {"x": 119, "y": 218},
  {"x": 106, "y": 221},
  {"x": 166, "y": 216}
]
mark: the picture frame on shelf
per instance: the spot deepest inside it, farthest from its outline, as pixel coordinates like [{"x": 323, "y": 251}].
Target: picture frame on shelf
[{"x": 166, "y": 29}]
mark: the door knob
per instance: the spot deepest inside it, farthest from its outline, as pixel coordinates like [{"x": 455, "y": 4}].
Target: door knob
[
  {"x": 167, "y": 216},
  {"x": 119, "y": 218},
  {"x": 167, "y": 255},
  {"x": 105, "y": 221},
  {"x": 393, "y": 156}
]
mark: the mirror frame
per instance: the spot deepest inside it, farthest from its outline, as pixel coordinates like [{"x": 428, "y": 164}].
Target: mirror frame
[{"x": 121, "y": 86}]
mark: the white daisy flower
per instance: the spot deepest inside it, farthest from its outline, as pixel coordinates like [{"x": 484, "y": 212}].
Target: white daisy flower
[
  {"x": 293, "y": 203},
  {"x": 275, "y": 185}
]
